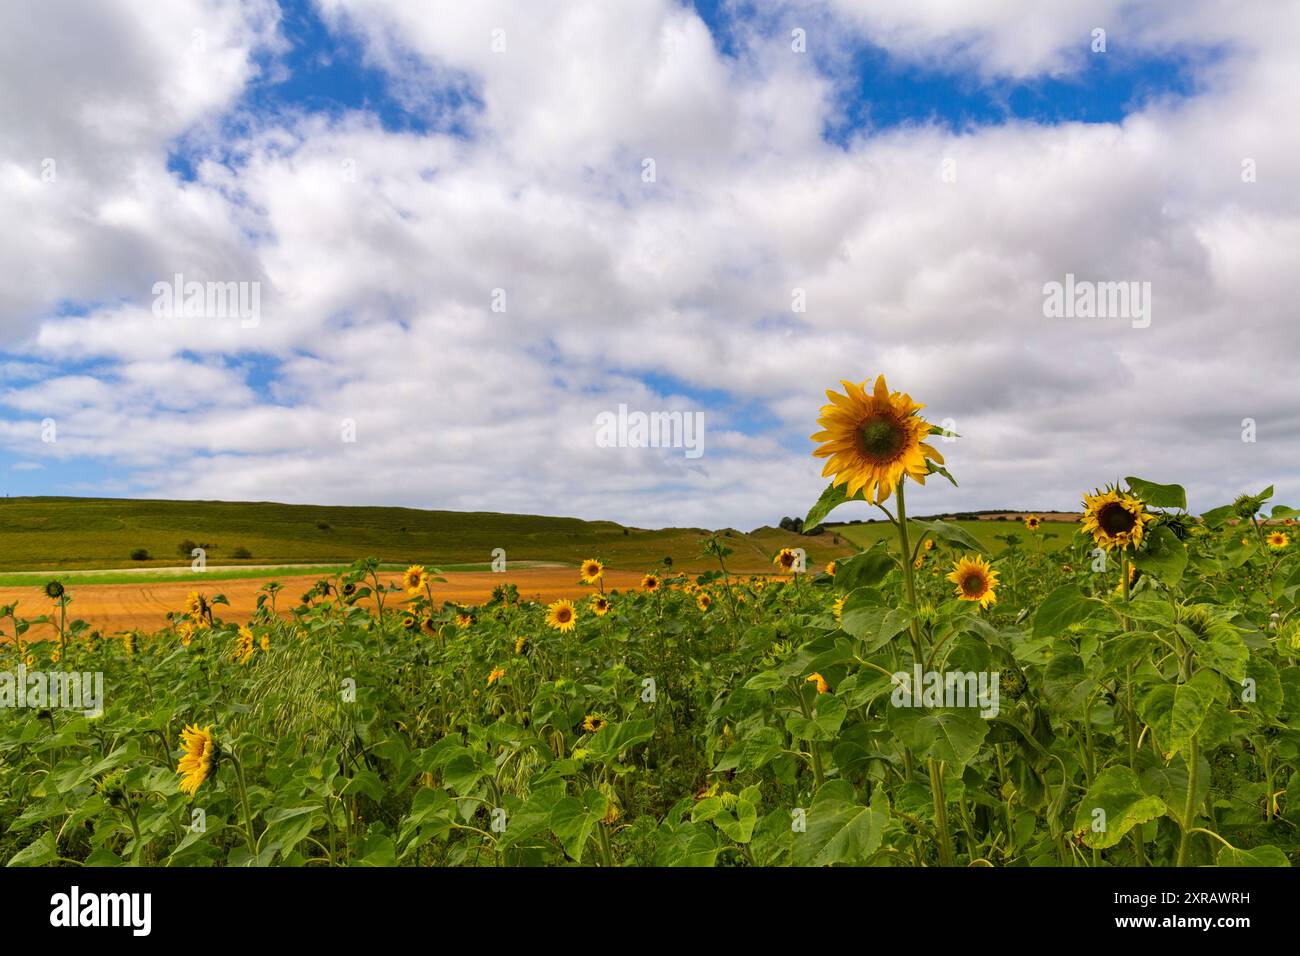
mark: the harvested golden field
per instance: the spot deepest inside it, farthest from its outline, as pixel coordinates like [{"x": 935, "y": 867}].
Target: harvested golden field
[{"x": 111, "y": 608}]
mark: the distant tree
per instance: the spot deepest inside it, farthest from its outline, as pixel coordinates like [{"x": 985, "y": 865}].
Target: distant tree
[
  {"x": 785, "y": 524},
  {"x": 140, "y": 554},
  {"x": 186, "y": 547},
  {"x": 241, "y": 553}
]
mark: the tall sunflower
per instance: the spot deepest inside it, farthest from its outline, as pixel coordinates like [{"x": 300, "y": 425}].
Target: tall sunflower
[
  {"x": 599, "y": 605},
  {"x": 562, "y": 616},
  {"x": 786, "y": 559},
  {"x": 975, "y": 580},
  {"x": 1278, "y": 540},
  {"x": 871, "y": 440},
  {"x": 1115, "y": 520},
  {"x": 200, "y": 755},
  {"x": 414, "y": 579},
  {"x": 650, "y": 582},
  {"x": 592, "y": 571},
  {"x": 1032, "y": 522}
]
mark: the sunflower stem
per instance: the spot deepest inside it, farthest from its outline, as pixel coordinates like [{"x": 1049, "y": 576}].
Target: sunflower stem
[{"x": 936, "y": 775}]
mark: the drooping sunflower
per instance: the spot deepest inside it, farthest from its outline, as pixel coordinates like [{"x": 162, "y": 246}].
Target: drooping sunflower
[
  {"x": 243, "y": 646},
  {"x": 815, "y": 678},
  {"x": 787, "y": 559},
  {"x": 200, "y": 756},
  {"x": 562, "y": 616},
  {"x": 592, "y": 571},
  {"x": 871, "y": 440},
  {"x": 196, "y": 606},
  {"x": 414, "y": 579},
  {"x": 703, "y": 601},
  {"x": 53, "y": 590},
  {"x": 496, "y": 675},
  {"x": 1115, "y": 520},
  {"x": 975, "y": 580},
  {"x": 1032, "y": 522},
  {"x": 599, "y": 605},
  {"x": 593, "y": 723},
  {"x": 838, "y": 608},
  {"x": 650, "y": 583},
  {"x": 1278, "y": 540}
]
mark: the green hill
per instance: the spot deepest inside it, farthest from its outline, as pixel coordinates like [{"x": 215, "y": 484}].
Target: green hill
[{"x": 49, "y": 533}]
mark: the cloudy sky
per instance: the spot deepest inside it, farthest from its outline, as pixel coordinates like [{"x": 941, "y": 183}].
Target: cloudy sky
[{"x": 474, "y": 227}]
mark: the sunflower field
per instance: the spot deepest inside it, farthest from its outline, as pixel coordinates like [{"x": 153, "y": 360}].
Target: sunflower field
[{"x": 1129, "y": 699}]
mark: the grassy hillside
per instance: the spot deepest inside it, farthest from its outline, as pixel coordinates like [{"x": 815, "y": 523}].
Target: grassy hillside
[
  {"x": 86, "y": 533},
  {"x": 1055, "y": 534}
]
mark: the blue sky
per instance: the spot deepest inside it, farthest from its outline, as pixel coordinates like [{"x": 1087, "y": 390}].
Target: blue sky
[{"x": 526, "y": 149}]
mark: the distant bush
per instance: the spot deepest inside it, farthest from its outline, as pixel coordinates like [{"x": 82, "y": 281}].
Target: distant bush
[
  {"x": 241, "y": 553},
  {"x": 323, "y": 525},
  {"x": 140, "y": 554},
  {"x": 186, "y": 547}
]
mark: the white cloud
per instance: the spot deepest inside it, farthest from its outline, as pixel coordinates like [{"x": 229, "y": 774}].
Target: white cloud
[{"x": 378, "y": 275}]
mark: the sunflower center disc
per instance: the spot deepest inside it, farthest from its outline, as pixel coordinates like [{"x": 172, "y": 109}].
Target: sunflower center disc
[
  {"x": 881, "y": 437},
  {"x": 973, "y": 584},
  {"x": 1116, "y": 519}
]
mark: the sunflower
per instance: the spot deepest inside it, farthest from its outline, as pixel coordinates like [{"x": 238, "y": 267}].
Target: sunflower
[
  {"x": 592, "y": 571},
  {"x": 196, "y": 606},
  {"x": 200, "y": 755},
  {"x": 1032, "y": 522},
  {"x": 1278, "y": 540},
  {"x": 53, "y": 590},
  {"x": 786, "y": 559},
  {"x": 128, "y": 642},
  {"x": 599, "y": 605},
  {"x": 464, "y": 619},
  {"x": 814, "y": 678},
  {"x": 929, "y": 544},
  {"x": 55, "y": 656},
  {"x": 410, "y": 622},
  {"x": 243, "y": 646},
  {"x": 265, "y": 642},
  {"x": 872, "y": 440},
  {"x": 496, "y": 675},
  {"x": 562, "y": 616},
  {"x": 186, "y": 630},
  {"x": 830, "y": 569},
  {"x": 650, "y": 582},
  {"x": 838, "y": 608},
  {"x": 703, "y": 602},
  {"x": 1132, "y": 579},
  {"x": 1114, "y": 520},
  {"x": 415, "y": 579},
  {"x": 593, "y": 723},
  {"x": 975, "y": 580},
  {"x": 920, "y": 560},
  {"x": 520, "y": 642}
]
